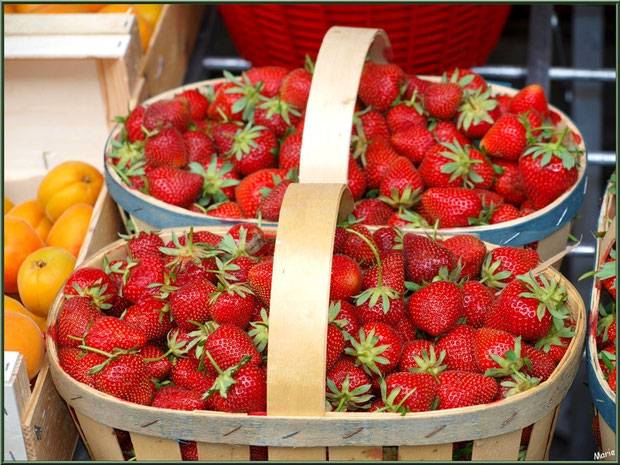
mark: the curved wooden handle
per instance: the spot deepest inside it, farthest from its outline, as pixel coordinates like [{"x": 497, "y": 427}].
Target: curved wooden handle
[
  {"x": 300, "y": 297},
  {"x": 329, "y": 113}
]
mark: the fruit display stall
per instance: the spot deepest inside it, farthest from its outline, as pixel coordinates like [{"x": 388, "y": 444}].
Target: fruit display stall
[{"x": 449, "y": 336}]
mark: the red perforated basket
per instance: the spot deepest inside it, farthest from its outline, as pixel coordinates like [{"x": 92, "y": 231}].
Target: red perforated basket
[{"x": 425, "y": 38}]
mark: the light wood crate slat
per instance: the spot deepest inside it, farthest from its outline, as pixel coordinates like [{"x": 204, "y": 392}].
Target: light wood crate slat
[
  {"x": 501, "y": 447},
  {"x": 540, "y": 437},
  {"x": 154, "y": 448},
  {"x": 101, "y": 443},
  {"x": 352, "y": 453},
  {"x": 222, "y": 452},
  {"x": 16, "y": 397},
  {"x": 425, "y": 453},
  {"x": 298, "y": 454}
]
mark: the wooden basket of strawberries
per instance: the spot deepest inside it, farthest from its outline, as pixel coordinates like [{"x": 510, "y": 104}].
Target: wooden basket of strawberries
[
  {"x": 416, "y": 152},
  {"x": 198, "y": 345},
  {"x": 601, "y": 341}
]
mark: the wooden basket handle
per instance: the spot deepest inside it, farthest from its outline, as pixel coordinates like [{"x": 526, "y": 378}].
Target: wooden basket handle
[
  {"x": 331, "y": 104},
  {"x": 300, "y": 297}
]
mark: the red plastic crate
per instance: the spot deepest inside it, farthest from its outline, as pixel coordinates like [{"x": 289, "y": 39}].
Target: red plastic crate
[{"x": 425, "y": 38}]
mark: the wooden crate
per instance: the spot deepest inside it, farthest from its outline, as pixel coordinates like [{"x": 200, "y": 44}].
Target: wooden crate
[
  {"x": 603, "y": 397},
  {"x": 79, "y": 71},
  {"x": 325, "y": 154},
  {"x": 296, "y": 426}
]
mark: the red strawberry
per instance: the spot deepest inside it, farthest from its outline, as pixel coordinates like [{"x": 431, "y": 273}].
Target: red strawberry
[
  {"x": 157, "y": 369},
  {"x": 240, "y": 390},
  {"x": 219, "y": 179},
  {"x": 470, "y": 250},
  {"x": 446, "y": 131},
  {"x": 151, "y": 316},
  {"x": 346, "y": 278},
  {"x": 372, "y": 211},
  {"x": 442, "y": 99},
  {"x": 377, "y": 348},
  {"x": 477, "y": 113},
  {"x": 379, "y": 157},
  {"x": 347, "y": 386},
  {"x": 549, "y": 169},
  {"x": 174, "y": 186},
  {"x": 126, "y": 377},
  {"x": 198, "y": 103},
  {"x": 228, "y": 345},
  {"x": 607, "y": 359},
  {"x": 225, "y": 210},
  {"x": 477, "y": 301},
  {"x": 109, "y": 333},
  {"x": 452, "y": 206},
  {"x": 248, "y": 194},
  {"x": 405, "y": 116},
  {"x": 178, "y": 398},
  {"x": 174, "y": 112},
  {"x": 542, "y": 365},
  {"x": 133, "y": 124},
  {"x": 224, "y": 105},
  {"x": 515, "y": 384},
  {"x": 296, "y": 88},
  {"x": 373, "y": 124},
  {"x": 459, "y": 348},
  {"x": 416, "y": 85},
  {"x": 436, "y": 307},
  {"x": 181, "y": 371},
  {"x": 503, "y": 213},
  {"x": 253, "y": 149},
  {"x": 491, "y": 343},
  {"x": 503, "y": 264},
  {"x": 405, "y": 329},
  {"x": 421, "y": 356},
  {"x": 392, "y": 272},
  {"x": 166, "y": 148},
  {"x": 277, "y": 116},
  {"x": 413, "y": 143},
  {"x": 556, "y": 342},
  {"x": 198, "y": 146},
  {"x": 401, "y": 184},
  {"x": 270, "y": 76},
  {"x": 488, "y": 198},
  {"x": 424, "y": 258},
  {"x": 462, "y": 389},
  {"x": 416, "y": 391},
  {"x": 503, "y": 103},
  {"x": 467, "y": 79},
  {"x": 92, "y": 283},
  {"x": 452, "y": 165},
  {"x": 342, "y": 314},
  {"x": 233, "y": 305},
  {"x": 76, "y": 317},
  {"x": 385, "y": 239},
  {"x": 506, "y": 139},
  {"x": 530, "y": 98},
  {"x": 259, "y": 279},
  {"x": 191, "y": 303},
  {"x": 223, "y": 134},
  {"x": 150, "y": 269},
  {"x": 143, "y": 243},
  {"x": 359, "y": 249},
  {"x": 270, "y": 205},
  {"x": 380, "y": 84},
  {"x": 335, "y": 345},
  {"x": 611, "y": 379},
  {"x": 189, "y": 450},
  {"x": 78, "y": 364},
  {"x": 367, "y": 312},
  {"x": 290, "y": 151},
  {"x": 509, "y": 184},
  {"x": 356, "y": 180}
]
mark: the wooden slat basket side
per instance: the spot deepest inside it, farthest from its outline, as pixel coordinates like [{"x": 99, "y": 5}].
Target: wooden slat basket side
[{"x": 604, "y": 398}]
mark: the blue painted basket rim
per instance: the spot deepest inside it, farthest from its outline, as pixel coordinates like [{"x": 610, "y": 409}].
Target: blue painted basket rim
[{"x": 532, "y": 228}]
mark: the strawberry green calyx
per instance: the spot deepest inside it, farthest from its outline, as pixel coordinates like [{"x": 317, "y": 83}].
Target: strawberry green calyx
[
  {"x": 605, "y": 319},
  {"x": 126, "y": 153},
  {"x": 550, "y": 295},
  {"x": 490, "y": 276},
  {"x": 429, "y": 363},
  {"x": 412, "y": 218},
  {"x": 309, "y": 64},
  {"x": 414, "y": 101},
  {"x": 276, "y": 105},
  {"x": 569, "y": 155},
  {"x": 388, "y": 400},
  {"x": 232, "y": 248},
  {"x": 475, "y": 109},
  {"x": 134, "y": 230},
  {"x": 359, "y": 141},
  {"x": 454, "y": 78},
  {"x": 554, "y": 337},
  {"x": 519, "y": 382},
  {"x": 350, "y": 221},
  {"x": 250, "y": 95},
  {"x": 226, "y": 379},
  {"x": 333, "y": 312},
  {"x": 444, "y": 274},
  {"x": 243, "y": 140},
  {"x": 608, "y": 359},
  {"x": 510, "y": 363},
  {"x": 191, "y": 251},
  {"x": 200, "y": 335},
  {"x": 110, "y": 356},
  {"x": 241, "y": 289},
  {"x": 260, "y": 331},
  {"x": 606, "y": 270},
  {"x": 488, "y": 210},
  {"x": 408, "y": 198},
  {"x": 214, "y": 180},
  {"x": 95, "y": 292},
  {"x": 277, "y": 180},
  {"x": 345, "y": 399},
  {"x": 461, "y": 164},
  {"x": 373, "y": 294},
  {"x": 367, "y": 352}
]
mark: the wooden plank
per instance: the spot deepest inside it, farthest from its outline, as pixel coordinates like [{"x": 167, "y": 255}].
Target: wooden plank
[
  {"x": 16, "y": 397},
  {"x": 101, "y": 441},
  {"x": 555, "y": 420},
  {"x": 154, "y": 448},
  {"x": 294, "y": 352},
  {"x": 64, "y": 24},
  {"x": 425, "y": 453},
  {"x": 48, "y": 427},
  {"x": 555, "y": 243},
  {"x": 66, "y": 46},
  {"x": 223, "y": 452},
  {"x": 329, "y": 112},
  {"x": 608, "y": 441},
  {"x": 502, "y": 447},
  {"x": 172, "y": 43},
  {"x": 540, "y": 437},
  {"x": 297, "y": 454},
  {"x": 352, "y": 453}
]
